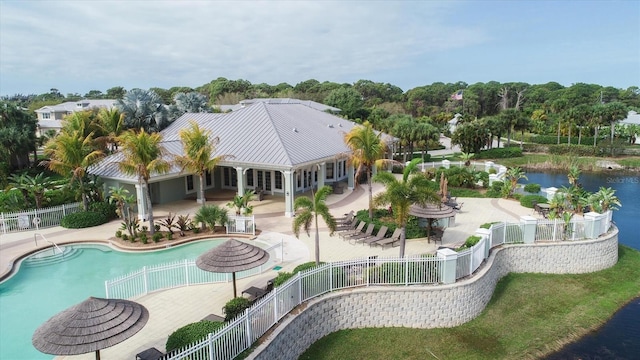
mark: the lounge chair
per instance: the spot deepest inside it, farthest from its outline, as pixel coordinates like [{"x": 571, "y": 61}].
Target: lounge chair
[
  {"x": 150, "y": 354},
  {"x": 363, "y": 235},
  {"x": 345, "y": 234},
  {"x": 347, "y": 227},
  {"x": 395, "y": 237},
  {"x": 347, "y": 218},
  {"x": 436, "y": 235},
  {"x": 379, "y": 236}
]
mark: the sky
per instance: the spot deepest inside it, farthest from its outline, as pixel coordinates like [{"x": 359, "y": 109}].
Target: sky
[{"x": 78, "y": 46}]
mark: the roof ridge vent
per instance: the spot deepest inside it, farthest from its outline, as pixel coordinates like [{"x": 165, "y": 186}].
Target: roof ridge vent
[
  {"x": 295, "y": 130},
  {"x": 330, "y": 125}
]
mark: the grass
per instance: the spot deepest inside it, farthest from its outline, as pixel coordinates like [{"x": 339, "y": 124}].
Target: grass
[
  {"x": 529, "y": 315},
  {"x": 564, "y": 162}
]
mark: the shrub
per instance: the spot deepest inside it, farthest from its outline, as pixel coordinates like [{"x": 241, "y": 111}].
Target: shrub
[
  {"x": 144, "y": 238},
  {"x": 191, "y": 333},
  {"x": 119, "y": 233},
  {"x": 471, "y": 241},
  {"x": 170, "y": 236},
  {"x": 235, "y": 307},
  {"x": 532, "y": 188},
  {"x": 125, "y": 237},
  {"x": 82, "y": 220},
  {"x": 282, "y": 277},
  {"x": 495, "y": 190},
  {"x": 528, "y": 200},
  {"x": 499, "y": 153},
  {"x": 156, "y": 237},
  {"x": 487, "y": 225},
  {"x": 305, "y": 266},
  {"x": 196, "y": 230},
  {"x": 574, "y": 150},
  {"x": 105, "y": 208}
]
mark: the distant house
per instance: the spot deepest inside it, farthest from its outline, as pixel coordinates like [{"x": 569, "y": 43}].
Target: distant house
[
  {"x": 453, "y": 123},
  {"x": 281, "y": 149},
  {"x": 309, "y": 103},
  {"x": 633, "y": 118},
  {"x": 50, "y": 116}
]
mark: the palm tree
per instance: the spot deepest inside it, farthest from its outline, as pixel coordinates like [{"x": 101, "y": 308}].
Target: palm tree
[
  {"x": 401, "y": 194},
  {"x": 513, "y": 175},
  {"x": 143, "y": 109},
  {"x": 210, "y": 215},
  {"x": 142, "y": 155},
  {"x": 121, "y": 197},
  {"x": 310, "y": 210},
  {"x": 368, "y": 151},
  {"x": 111, "y": 123},
  {"x": 611, "y": 113},
  {"x": 198, "y": 147},
  {"x": 466, "y": 157},
  {"x": 38, "y": 186},
  {"x": 604, "y": 199},
  {"x": 72, "y": 154}
]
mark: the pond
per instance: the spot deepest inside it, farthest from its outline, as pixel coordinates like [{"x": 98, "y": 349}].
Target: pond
[{"x": 619, "y": 338}]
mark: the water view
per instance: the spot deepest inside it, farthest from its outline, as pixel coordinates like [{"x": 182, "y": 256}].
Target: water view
[{"x": 620, "y": 337}]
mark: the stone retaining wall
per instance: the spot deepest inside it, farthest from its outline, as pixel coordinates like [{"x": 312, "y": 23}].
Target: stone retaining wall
[{"x": 430, "y": 306}]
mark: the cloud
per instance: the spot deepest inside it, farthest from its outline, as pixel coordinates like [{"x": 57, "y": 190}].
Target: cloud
[{"x": 97, "y": 45}]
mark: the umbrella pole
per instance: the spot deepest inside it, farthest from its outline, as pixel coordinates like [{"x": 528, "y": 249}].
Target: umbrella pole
[
  {"x": 234, "y": 286},
  {"x": 97, "y": 354}
]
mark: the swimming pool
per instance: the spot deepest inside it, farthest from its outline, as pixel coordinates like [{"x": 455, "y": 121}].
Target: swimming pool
[{"x": 37, "y": 292}]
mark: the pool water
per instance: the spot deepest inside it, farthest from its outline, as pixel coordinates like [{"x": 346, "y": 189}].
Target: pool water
[{"x": 36, "y": 293}]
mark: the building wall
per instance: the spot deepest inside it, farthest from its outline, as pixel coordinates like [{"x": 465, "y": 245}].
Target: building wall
[
  {"x": 170, "y": 190},
  {"x": 430, "y": 306}
]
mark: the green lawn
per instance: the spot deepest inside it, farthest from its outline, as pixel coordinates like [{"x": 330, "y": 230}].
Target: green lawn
[{"x": 529, "y": 315}]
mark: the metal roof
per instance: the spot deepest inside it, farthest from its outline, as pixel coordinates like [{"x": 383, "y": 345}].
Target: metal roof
[
  {"x": 80, "y": 105},
  {"x": 263, "y": 135}
]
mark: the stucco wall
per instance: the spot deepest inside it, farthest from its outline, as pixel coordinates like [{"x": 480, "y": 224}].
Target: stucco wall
[
  {"x": 430, "y": 306},
  {"x": 172, "y": 190}
]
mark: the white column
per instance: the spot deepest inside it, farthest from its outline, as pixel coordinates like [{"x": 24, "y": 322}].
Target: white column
[
  {"x": 288, "y": 193},
  {"x": 141, "y": 200},
  {"x": 446, "y": 164},
  {"x": 322, "y": 171},
  {"x": 528, "y": 229},
  {"x": 240, "y": 176},
  {"x": 551, "y": 192},
  {"x": 488, "y": 165},
  {"x": 450, "y": 257}
]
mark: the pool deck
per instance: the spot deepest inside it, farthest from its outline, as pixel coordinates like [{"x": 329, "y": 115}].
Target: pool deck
[{"x": 171, "y": 309}]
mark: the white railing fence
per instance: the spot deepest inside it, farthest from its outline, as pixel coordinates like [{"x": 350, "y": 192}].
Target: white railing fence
[
  {"x": 241, "y": 225},
  {"x": 175, "y": 274},
  {"x": 36, "y": 219},
  {"x": 239, "y": 334}
]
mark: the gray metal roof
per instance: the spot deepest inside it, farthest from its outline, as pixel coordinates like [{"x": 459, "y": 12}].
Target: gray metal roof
[
  {"x": 80, "y": 105},
  {"x": 309, "y": 103},
  {"x": 263, "y": 135}
]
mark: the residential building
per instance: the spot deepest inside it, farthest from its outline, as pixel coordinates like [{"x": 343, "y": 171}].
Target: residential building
[{"x": 50, "y": 116}]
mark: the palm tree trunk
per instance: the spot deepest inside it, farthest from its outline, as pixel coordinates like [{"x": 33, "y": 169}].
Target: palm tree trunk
[
  {"x": 403, "y": 240},
  {"x": 152, "y": 228},
  {"x": 370, "y": 193},
  {"x": 317, "y": 244},
  {"x": 203, "y": 200}
]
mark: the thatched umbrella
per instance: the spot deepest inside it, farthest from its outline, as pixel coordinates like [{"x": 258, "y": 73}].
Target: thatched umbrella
[
  {"x": 90, "y": 326},
  {"x": 431, "y": 212},
  {"x": 232, "y": 256}
]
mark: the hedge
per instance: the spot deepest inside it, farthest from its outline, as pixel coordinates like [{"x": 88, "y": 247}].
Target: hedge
[
  {"x": 191, "y": 333},
  {"x": 499, "y": 153},
  {"x": 532, "y": 188},
  {"x": 82, "y": 220},
  {"x": 105, "y": 208},
  {"x": 235, "y": 307},
  {"x": 528, "y": 200}
]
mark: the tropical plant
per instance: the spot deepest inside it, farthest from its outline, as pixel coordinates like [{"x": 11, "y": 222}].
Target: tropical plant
[
  {"x": 573, "y": 175},
  {"x": 512, "y": 176},
  {"x": 169, "y": 222},
  {"x": 120, "y": 196},
  {"x": 198, "y": 147},
  {"x": 111, "y": 124},
  {"x": 191, "y": 102},
  {"x": 141, "y": 156},
  {"x": 210, "y": 215},
  {"x": 143, "y": 109},
  {"x": 401, "y": 194},
  {"x": 72, "y": 154},
  {"x": 368, "y": 151},
  {"x": 308, "y": 210},
  {"x": 604, "y": 199},
  {"x": 466, "y": 157},
  {"x": 241, "y": 202},
  {"x": 183, "y": 223},
  {"x": 17, "y": 135}
]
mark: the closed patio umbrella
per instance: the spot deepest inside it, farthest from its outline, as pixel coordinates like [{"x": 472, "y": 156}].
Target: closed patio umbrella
[
  {"x": 232, "y": 256},
  {"x": 90, "y": 326}
]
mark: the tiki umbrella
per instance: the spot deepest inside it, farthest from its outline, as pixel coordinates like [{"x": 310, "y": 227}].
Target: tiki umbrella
[
  {"x": 431, "y": 212},
  {"x": 92, "y": 325},
  {"x": 232, "y": 256}
]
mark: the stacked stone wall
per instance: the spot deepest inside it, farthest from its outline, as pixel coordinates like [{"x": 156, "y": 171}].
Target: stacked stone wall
[{"x": 429, "y": 306}]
